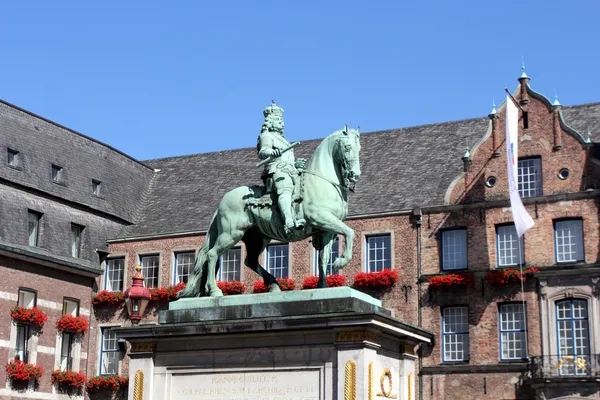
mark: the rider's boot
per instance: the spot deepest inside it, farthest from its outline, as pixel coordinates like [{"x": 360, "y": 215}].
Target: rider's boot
[
  {"x": 300, "y": 222},
  {"x": 285, "y": 205}
]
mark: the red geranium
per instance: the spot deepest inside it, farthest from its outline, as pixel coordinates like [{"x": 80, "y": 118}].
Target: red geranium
[
  {"x": 107, "y": 382},
  {"x": 20, "y": 371},
  {"x": 168, "y": 293},
  {"x": 451, "y": 281},
  {"x": 336, "y": 280},
  {"x": 501, "y": 277},
  {"x": 284, "y": 284},
  {"x": 68, "y": 377},
  {"x": 29, "y": 315},
  {"x": 376, "y": 280},
  {"x": 70, "y": 323},
  {"x": 231, "y": 287},
  {"x": 106, "y": 297}
]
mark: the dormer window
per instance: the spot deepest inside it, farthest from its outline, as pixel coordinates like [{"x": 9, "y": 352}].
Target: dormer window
[
  {"x": 57, "y": 174},
  {"x": 96, "y": 187},
  {"x": 13, "y": 158}
]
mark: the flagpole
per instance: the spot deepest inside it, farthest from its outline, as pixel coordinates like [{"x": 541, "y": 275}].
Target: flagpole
[
  {"x": 513, "y": 99},
  {"x": 523, "y": 297}
]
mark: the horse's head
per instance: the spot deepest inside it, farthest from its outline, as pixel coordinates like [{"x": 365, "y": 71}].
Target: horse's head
[{"x": 346, "y": 152}]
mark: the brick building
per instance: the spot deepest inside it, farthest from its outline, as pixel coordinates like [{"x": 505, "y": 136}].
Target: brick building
[{"x": 436, "y": 211}]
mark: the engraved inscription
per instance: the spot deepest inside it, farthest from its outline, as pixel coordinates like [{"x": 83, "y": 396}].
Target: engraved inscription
[{"x": 271, "y": 385}]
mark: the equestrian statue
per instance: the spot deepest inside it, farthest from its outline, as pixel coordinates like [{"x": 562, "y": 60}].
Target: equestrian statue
[{"x": 298, "y": 200}]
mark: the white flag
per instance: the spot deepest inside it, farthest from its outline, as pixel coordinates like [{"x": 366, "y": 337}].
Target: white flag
[{"x": 523, "y": 221}]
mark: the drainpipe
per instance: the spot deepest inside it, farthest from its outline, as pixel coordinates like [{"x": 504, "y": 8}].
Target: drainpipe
[{"x": 418, "y": 220}]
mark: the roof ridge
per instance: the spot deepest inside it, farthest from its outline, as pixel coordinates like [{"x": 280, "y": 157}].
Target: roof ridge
[{"x": 72, "y": 131}]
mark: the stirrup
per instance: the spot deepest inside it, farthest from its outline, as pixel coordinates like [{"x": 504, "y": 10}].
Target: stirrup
[{"x": 300, "y": 223}]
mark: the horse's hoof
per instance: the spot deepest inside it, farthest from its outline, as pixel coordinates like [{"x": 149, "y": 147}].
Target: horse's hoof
[
  {"x": 216, "y": 293},
  {"x": 339, "y": 263},
  {"x": 274, "y": 288}
]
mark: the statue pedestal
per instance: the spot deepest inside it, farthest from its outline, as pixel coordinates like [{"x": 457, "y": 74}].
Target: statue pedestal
[{"x": 322, "y": 344}]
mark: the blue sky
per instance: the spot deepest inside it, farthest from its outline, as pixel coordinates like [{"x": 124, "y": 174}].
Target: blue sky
[{"x": 158, "y": 79}]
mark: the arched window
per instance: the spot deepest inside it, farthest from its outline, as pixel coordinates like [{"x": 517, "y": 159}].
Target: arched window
[{"x": 572, "y": 332}]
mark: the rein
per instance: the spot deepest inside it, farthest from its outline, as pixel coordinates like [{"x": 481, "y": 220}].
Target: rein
[{"x": 338, "y": 185}]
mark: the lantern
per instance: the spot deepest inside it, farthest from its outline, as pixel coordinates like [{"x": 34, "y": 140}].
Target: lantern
[{"x": 137, "y": 297}]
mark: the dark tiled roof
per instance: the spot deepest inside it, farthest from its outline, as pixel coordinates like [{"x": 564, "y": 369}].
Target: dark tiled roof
[
  {"x": 41, "y": 143},
  {"x": 401, "y": 168}
]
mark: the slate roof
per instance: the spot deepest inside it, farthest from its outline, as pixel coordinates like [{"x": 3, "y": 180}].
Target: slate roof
[{"x": 401, "y": 169}]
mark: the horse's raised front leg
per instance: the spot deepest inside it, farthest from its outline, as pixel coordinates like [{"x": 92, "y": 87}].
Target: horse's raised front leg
[{"x": 328, "y": 222}]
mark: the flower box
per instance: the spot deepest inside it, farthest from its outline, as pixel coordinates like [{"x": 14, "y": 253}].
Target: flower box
[
  {"x": 111, "y": 382},
  {"x": 70, "y": 323},
  {"x": 231, "y": 287},
  {"x": 284, "y": 284},
  {"x": 20, "y": 371},
  {"x": 451, "y": 281},
  {"x": 376, "y": 280},
  {"x": 105, "y": 297},
  {"x": 68, "y": 378},
  {"x": 29, "y": 315},
  {"x": 311, "y": 282},
  {"x": 500, "y": 277},
  {"x": 168, "y": 293}
]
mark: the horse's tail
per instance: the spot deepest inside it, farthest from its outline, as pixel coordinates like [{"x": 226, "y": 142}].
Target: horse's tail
[{"x": 196, "y": 284}]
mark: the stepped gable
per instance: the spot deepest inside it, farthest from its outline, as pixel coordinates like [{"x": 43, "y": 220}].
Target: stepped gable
[{"x": 41, "y": 143}]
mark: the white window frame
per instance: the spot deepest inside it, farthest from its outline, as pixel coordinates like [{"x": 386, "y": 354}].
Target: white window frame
[
  {"x": 268, "y": 262},
  {"x": 512, "y": 333},
  {"x": 155, "y": 270},
  {"x": 386, "y": 263},
  {"x": 111, "y": 351},
  {"x": 455, "y": 334},
  {"x": 454, "y": 249},
  {"x": 225, "y": 259},
  {"x": 568, "y": 235},
  {"x": 33, "y": 227},
  {"x": 108, "y": 271},
  {"x": 177, "y": 275},
  {"x": 529, "y": 172},
  {"x": 76, "y": 234},
  {"x": 335, "y": 253},
  {"x": 27, "y": 298},
  {"x": 516, "y": 249}
]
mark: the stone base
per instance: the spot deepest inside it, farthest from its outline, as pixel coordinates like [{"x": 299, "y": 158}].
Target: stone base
[{"x": 321, "y": 344}]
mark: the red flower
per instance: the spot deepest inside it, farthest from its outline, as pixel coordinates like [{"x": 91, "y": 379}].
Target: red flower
[
  {"x": 106, "y": 297},
  {"x": 501, "y": 277},
  {"x": 29, "y": 315},
  {"x": 112, "y": 382},
  {"x": 451, "y": 281},
  {"x": 69, "y": 323},
  {"x": 168, "y": 293},
  {"x": 311, "y": 282},
  {"x": 376, "y": 280},
  {"x": 231, "y": 287},
  {"x": 18, "y": 370},
  {"x": 284, "y": 284},
  {"x": 71, "y": 378}
]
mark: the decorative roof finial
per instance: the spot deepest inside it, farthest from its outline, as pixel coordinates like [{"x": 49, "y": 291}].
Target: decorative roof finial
[
  {"x": 493, "y": 106},
  {"x": 556, "y": 102},
  {"x": 523, "y": 74},
  {"x": 588, "y": 139}
]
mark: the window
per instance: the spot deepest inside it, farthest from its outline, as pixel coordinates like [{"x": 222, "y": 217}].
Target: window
[
  {"x": 150, "y": 270},
  {"x": 530, "y": 177},
  {"x": 57, "y": 174},
  {"x": 379, "y": 253},
  {"x": 278, "y": 260},
  {"x": 184, "y": 262},
  {"x": 573, "y": 337},
  {"x": 27, "y": 298},
  {"x": 454, "y": 249},
  {"x": 568, "y": 240},
  {"x": 34, "y": 227},
  {"x": 71, "y": 306},
  {"x": 525, "y": 120},
  {"x": 96, "y": 187},
  {"x": 109, "y": 353},
  {"x": 13, "y": 158},
  {"x": 76, "y": 240},
  {"x": 231, "y": 265},
  {"x": 512, "y": 332},
  {"x": 335, "y": 252},
  {"x": 66, "y": 360},
  {"x": 113, "y": 278},
  {"x": 509, "y": 247},
  {"x": 21, "y": 348},
  {"x": 455, "y": 334}
]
